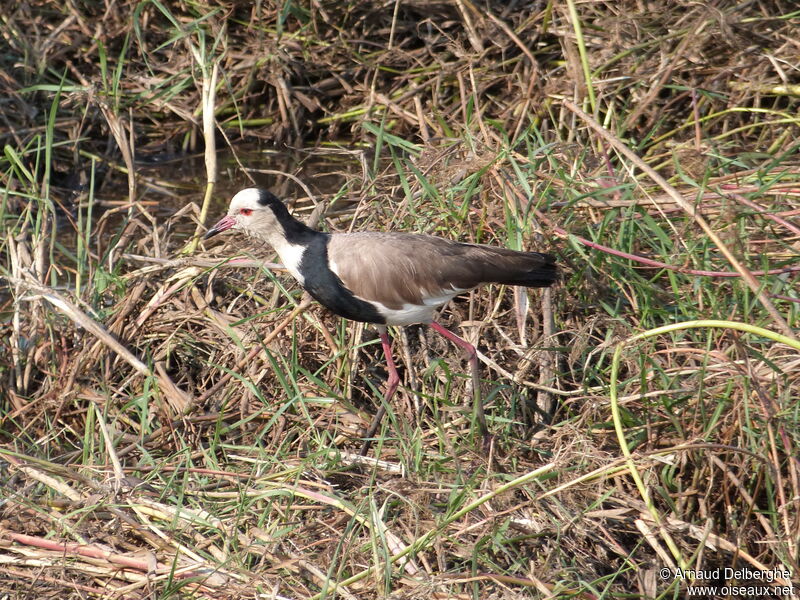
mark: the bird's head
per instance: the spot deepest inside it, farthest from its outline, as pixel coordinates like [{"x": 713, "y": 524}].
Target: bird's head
[{"x": 256, "y": 212}]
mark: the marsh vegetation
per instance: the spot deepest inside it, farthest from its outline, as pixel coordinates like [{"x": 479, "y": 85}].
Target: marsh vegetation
[{"x": 175, "y": 424}]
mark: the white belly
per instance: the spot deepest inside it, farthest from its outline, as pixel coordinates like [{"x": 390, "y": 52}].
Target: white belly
[
  {"x": 408, "y": 315},
  {"x": 414, "y": 313}
]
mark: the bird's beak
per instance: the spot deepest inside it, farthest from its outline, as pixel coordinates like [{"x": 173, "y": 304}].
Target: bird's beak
[{"x": 223, "y": 224}]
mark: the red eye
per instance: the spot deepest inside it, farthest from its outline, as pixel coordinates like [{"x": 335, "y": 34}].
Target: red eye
[{"x": 246, "y": 211}]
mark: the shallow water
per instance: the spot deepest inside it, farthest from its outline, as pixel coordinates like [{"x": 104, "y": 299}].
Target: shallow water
[{"x": 166, "y": 184}]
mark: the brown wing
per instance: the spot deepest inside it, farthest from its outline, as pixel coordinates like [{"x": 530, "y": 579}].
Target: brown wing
[{"x": 399, "y": 268}]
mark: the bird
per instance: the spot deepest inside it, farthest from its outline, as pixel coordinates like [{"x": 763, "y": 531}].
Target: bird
[{"x": 384, "y": 278}]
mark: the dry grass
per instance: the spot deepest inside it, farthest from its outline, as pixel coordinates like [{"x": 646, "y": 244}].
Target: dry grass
[{"x": 174, "y": 425}]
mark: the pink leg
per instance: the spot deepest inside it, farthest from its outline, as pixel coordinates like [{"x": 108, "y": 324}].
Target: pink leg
[
  {"x": 392, "y": 383},
  {"x": 472, "y": 357}
]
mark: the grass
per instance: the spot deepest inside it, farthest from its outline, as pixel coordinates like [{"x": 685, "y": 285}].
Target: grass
[{"x": 181, "y": 424}]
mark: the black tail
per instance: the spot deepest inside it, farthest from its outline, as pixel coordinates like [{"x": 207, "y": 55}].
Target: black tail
[{"x": 529, "y": 269}]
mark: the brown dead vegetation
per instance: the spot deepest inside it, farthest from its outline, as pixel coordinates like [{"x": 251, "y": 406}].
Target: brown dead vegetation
[{"x": 171, "y": 428}]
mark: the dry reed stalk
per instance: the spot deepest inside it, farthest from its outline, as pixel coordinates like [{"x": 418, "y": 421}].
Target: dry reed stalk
[{"x": 691, "y": 210}]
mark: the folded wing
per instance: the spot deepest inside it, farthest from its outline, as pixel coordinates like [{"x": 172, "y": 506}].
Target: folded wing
[{"x": 398, "y": 269}]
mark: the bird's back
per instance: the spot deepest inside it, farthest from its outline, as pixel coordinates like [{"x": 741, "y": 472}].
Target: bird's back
[{"x": 398, "y": 269}]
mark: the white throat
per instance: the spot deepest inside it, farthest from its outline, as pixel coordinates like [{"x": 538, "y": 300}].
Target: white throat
[{"x": 291, "y": 256}]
